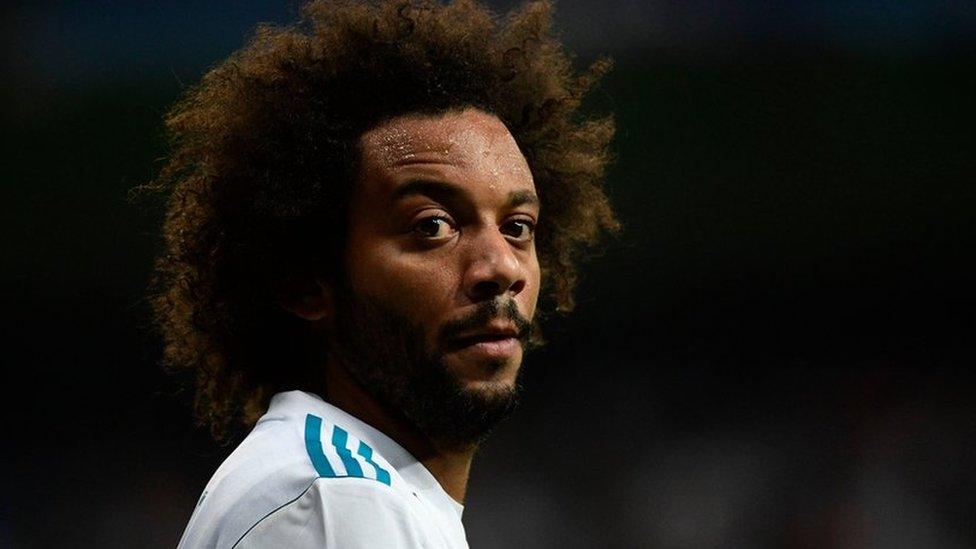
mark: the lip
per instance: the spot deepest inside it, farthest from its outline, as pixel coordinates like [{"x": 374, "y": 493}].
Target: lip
[
  {"x": 501, "y": 347},
  {"x": 491, "y": 332}
]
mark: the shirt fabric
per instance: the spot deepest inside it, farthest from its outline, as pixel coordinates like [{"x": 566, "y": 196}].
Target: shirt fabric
[{"x": 311, "y": 475}]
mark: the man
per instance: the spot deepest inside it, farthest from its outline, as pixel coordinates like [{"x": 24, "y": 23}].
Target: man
[{"x": 364, "y": 211}]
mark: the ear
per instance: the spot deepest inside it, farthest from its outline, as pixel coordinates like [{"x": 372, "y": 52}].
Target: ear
[{"x": 307, "y": 298}]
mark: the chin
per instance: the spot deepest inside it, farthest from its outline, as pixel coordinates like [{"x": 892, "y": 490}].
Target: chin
[{"x": 490, "y": 387}]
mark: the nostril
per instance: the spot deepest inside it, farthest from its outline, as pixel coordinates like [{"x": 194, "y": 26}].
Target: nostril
[
  {"x": 517, "y": 287},
  {"x": 487, "y": 288}
]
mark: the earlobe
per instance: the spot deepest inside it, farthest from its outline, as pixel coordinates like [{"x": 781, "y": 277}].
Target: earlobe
[{"x": 307, "y": 299}]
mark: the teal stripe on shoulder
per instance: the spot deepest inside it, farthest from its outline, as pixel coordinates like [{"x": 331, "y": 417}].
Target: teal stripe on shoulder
[
  {"x": 382, "y": 474},
  {"x": 340, "y": 438},
  {"x": 313, "y": 445},
  {"x": 340, "y": 442}
]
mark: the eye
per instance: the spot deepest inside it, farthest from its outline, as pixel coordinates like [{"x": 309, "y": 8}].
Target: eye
[
  {"x": 433, "y": 227},
  {"x": 521, "y": 230}
]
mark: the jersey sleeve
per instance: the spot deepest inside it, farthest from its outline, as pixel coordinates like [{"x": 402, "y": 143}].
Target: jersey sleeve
[{"x": 338, "y": 512}]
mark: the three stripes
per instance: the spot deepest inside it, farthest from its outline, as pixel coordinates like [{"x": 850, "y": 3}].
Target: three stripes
[{"x": 340, "y": 441}]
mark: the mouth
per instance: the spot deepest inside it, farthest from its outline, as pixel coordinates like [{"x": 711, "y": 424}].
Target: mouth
[
  {"x": 497, "y": 348},
  {"x": 496, "y": 342}
]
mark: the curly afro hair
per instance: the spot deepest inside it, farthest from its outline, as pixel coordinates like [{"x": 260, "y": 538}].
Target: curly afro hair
[{"x": 265, "y": 151}]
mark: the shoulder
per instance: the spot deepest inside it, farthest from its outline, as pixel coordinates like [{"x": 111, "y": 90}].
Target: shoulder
[
  {"x": 297, "y": 463},
  {"x": 338, "y": 512}
]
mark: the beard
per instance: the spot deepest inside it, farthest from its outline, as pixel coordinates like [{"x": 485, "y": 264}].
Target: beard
[{"x": 387, "y": 355}]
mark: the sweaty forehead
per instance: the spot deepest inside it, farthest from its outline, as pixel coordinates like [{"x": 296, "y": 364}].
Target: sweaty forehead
[{"x": 470, "y": 139}]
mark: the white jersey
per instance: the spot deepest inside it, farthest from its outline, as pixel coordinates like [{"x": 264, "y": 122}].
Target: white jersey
[{"x": 311, "y": 475}]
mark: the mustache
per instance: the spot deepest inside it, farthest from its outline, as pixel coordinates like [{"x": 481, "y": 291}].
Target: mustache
[{"x": 481, "y": 317}]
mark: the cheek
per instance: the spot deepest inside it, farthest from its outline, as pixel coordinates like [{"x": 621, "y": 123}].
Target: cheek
[
  {"x": 416, "y": 285},
  {"x": 531, "y": 293}
]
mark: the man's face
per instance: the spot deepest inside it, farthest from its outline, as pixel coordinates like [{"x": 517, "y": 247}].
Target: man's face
[{"x": 441, "y": 269}]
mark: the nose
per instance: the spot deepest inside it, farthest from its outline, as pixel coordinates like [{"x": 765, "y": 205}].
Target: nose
[{"x": 493, "y": 269}]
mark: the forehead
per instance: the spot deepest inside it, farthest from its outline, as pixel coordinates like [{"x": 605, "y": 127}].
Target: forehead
[{"x": 469, "y": 140}]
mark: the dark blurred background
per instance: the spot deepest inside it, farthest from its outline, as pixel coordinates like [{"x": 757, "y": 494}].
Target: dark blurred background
[{"x": 777, "y": 352}]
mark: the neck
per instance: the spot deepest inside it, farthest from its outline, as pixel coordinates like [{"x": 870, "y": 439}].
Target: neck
[{"x": 451, "y": 467}]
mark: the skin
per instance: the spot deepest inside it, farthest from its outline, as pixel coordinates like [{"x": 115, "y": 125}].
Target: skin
[{"x": 442, "y": 219}]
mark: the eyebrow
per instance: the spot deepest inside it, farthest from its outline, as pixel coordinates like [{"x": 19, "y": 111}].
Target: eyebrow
[
  {"x": 446, "y": 192},
  {"x": 437, "y": 190},
  {"x": 518, "y": 198}
]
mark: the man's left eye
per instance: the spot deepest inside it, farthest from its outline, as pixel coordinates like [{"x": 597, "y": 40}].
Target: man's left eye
[{"x": 521, "y": 230}]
